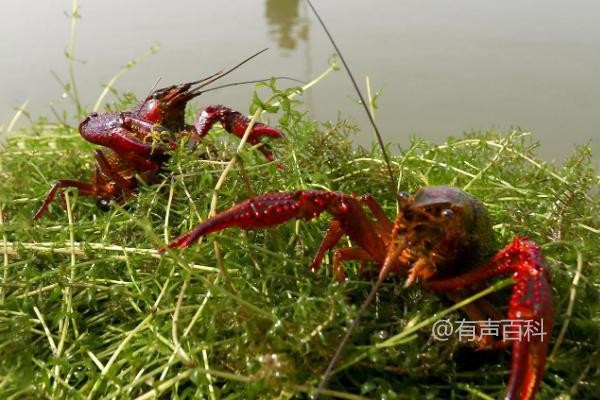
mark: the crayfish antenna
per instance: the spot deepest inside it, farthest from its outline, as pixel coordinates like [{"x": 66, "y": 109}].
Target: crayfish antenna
[
  {"x": 207, "y": 81},
  {"x": 390, "y": 262},
  {"x": 154, "y": 86},
  {"x": 248, "y": 82},
  {"x": 392, "y": 256},
  {"x": 219, "y": 73},
  {"x": 362, "y": 99}
]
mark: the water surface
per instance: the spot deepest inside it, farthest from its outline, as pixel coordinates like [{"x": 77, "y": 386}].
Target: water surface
[{"x": 445, "y": 66}]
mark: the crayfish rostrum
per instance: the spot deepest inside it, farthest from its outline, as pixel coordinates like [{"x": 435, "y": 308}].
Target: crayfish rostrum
[
  {"x": 441, "y": 236},
  {"x": 132, "y": 152}
]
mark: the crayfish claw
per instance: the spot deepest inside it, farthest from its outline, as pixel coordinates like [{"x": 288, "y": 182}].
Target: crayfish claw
[
  {"x": 531, "y": 306},
  {"x": 236, "y": 123},
  {"x": 261, "y": 211}
]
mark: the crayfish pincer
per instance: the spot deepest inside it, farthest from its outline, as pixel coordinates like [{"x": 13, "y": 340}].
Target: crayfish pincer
[
  {"x": 441, "y": 236},
  {"x": 132, "y": 153}
]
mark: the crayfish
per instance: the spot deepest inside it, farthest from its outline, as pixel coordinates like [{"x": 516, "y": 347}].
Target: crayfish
[
  {"x": 131, "y": 152},
  {"x": 441, "y": 236}
]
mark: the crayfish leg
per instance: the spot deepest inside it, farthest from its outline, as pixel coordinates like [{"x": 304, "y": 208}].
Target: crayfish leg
[
  {"x": 336, "y": 231},
  {"x": 332, "y": 237},
  {"x": 107, "y": 169},
  {"x": 138, "y": 162},
  {"x": 85, "y": 189},
  {"x": 373, "y": 205},
  {"x": 348, "y": 254},
  {"x": 487, "y": 319}
]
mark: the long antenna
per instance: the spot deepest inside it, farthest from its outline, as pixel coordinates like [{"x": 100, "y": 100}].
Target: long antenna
[
  {"x": 385, "y": 270},
  {"x": 153, "y": 86},
  {"x": 391, "y": 257},
  {"x": 219, "y": 75},
  {"x": 362, "y": 100},
  {"x": 214, "y": 77},
  {"x": 247, "y": 82}
]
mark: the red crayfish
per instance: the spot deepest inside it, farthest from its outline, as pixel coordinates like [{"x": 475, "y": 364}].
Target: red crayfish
[
  {"x": 441, "y": 236},
  {"x": 131, "y": 152}
]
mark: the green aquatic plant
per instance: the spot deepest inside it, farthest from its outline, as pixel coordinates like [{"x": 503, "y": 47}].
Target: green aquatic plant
[{"x": 89, "y": 309}]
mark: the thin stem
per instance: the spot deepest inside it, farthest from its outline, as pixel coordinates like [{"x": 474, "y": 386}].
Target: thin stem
[
  {"x": 370, "y": 97},
  {"x": 11, "y": 125},
  {"x": 5, "y": 264},
  {"x": 142, "y": 325},
  {"x": 47, "y": 247},
  {"x": 188, "y": 329},
  {"x": 232, "y": 162},
  {"x": 16, "y": 117},
  {"x": 236, "y": 378},
  {"x": 168, "y": 212},
  {"x": 67, "y": 293},
  {"x": 121, "y": 73},
  {"x": 71, "y": 59},
  {"x": 188, "y": 195},
  {"x": 166, "y": 385},
  {"x": 362, "y": 99},
  {"x": 211, "y": 389},
  {"x": 46, "y": 330},
  {"x": 184, "y": 357},
  {"x": 221, "y": 181},
  {"x": 235, "y": 158},
  {"x": 569, "y": 313}
]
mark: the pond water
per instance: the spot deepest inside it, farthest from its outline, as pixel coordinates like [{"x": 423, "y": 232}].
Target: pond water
[{"x": 445, "y": 66}]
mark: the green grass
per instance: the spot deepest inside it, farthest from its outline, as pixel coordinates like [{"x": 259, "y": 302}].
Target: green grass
[{"x": 89, "y": 310}]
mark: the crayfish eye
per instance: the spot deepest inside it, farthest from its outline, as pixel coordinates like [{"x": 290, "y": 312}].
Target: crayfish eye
[
  {"x": 447, "y": 213},
  {"x": 104, "y": 204},
  {"x": 403, "y": 195}
]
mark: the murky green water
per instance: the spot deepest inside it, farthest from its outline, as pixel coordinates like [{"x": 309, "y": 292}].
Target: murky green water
[{"x": 444, "y": 66}]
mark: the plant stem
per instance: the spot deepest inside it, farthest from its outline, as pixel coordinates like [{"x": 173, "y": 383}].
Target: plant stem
[{"x": 71, "y": 60}]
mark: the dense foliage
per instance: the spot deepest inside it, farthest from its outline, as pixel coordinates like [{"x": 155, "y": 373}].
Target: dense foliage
[{"x": 89, "y": 310}]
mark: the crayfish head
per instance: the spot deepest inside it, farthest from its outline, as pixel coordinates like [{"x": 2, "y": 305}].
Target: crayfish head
[
  {"x": 150, "y": 110},
  {"x": 442, "y": 228},
  {"x": 166, "y": 106}
]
